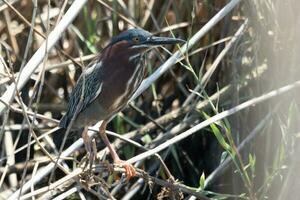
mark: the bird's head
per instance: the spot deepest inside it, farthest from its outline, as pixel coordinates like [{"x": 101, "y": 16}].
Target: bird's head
[{"x": 140, "y": 39}]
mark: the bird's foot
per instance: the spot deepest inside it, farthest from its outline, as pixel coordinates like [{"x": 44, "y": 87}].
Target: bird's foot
[
  {"x": 129, "y": 169},
  {"x": 88, "y": 161},
  {"x": 91, "y": 157}
]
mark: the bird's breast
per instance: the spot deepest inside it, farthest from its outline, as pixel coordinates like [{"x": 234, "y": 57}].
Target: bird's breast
[{"x": 122, "y": 78}]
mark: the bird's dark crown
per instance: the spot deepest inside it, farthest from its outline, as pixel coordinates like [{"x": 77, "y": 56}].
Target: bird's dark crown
[
  {"x": 132, "y": 36},
  {"x": 137, "y": 37}
]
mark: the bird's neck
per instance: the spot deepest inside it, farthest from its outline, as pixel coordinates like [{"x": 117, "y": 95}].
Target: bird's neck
[{"x": 121, "y": 50}]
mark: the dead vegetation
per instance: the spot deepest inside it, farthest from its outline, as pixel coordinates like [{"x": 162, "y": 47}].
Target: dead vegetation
[{"x": 215, "y": 118}]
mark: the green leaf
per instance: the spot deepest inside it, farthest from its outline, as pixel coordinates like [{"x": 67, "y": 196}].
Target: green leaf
[
  {"x": 202, "y": 181},
  {"x": 252, "y": 160},
  {"x": 88, "y": 44},
  {"x": 220, "y": 137},
  {"x": 146, "y": 139}
]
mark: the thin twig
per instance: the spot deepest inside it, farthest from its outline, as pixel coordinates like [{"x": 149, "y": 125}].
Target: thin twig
[
  {"x": 35, "y": 60},
  {"x": 214, "y": 119},
  {"x": 107, "y": 168},
  {"x": 176, "y": 56},
  {"x": 216, "y": 62}
]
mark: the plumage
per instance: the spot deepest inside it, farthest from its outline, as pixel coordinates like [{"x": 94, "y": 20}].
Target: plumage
[
  {"x": 85, "y": 92},
  {"x": 108, "y": 83}
]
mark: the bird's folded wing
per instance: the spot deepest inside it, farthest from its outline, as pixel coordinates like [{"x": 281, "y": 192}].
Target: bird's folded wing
[{"x": 86, "y": 90}]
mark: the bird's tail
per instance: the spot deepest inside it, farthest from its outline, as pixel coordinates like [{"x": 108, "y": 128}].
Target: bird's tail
[
  {"x": 59, "y": 133},
  {"x": 64, "y": 122}
]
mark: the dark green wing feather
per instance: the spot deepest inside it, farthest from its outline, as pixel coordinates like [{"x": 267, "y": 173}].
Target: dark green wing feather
[{"x": 86, "y": 90}]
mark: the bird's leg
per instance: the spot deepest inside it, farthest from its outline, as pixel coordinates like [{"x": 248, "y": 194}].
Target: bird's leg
[
  {"x": 129, "y": 169},
  {"x": 88, "y": 146}
]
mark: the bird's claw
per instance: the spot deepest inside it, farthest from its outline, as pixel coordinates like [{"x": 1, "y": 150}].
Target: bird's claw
[
  {"x": 91, "y": 157},
  {"x": 129, "y": 169}
]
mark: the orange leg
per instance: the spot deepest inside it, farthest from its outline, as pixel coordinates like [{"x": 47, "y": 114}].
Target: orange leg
[{"x": 129, "y": 169}]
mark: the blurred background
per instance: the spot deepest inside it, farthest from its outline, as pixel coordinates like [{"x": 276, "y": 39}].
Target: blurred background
[{"x": 252, "y": 154}]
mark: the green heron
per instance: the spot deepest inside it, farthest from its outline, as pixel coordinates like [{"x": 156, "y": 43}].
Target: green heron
[{"x": 107, "y": 84}]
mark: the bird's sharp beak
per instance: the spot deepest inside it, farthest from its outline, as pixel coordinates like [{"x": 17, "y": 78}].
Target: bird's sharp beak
[{"x": 163, "y": 40}]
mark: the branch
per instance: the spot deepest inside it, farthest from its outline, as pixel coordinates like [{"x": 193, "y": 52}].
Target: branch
[
  {"x": 176, "y": 56},
  {"x": 214, "y": 119},
  {"x": 36, "y": 59},
  {"x": 101, "y": 168}
]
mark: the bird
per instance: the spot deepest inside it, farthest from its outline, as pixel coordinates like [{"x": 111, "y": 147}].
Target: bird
[{"x": 107, "y": 84}]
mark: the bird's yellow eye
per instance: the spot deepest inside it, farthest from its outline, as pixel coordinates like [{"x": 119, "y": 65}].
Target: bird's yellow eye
[{"x": 136, "y": 39}]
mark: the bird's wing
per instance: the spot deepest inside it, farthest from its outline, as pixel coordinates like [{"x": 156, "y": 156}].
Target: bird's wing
[{"x": 86, "y": 90}]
